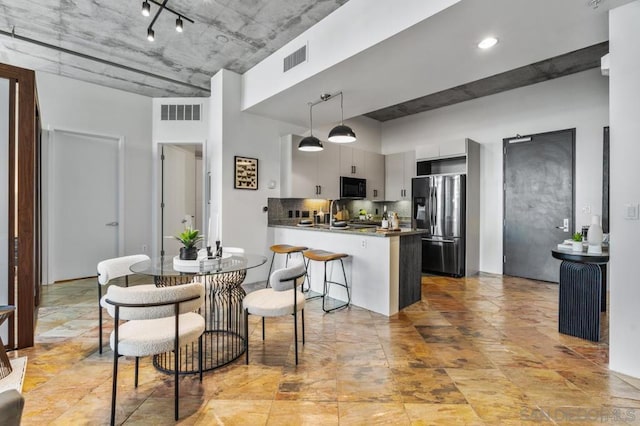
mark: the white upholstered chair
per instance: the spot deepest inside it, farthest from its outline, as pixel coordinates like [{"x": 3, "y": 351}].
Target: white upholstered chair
[
  {"x": 160, "y": 319},
  {"x": 282, "y": 298},
  {"x": 111, "y": 269}
]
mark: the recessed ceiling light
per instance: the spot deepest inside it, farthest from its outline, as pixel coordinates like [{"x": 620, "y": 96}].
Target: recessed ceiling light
[
  {"x": 222, "y": 38},
  {"x": 488, "y": 42}
]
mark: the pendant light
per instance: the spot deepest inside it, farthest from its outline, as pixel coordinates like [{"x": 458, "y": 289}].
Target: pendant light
[
  {"x": 310, "y": 143},
  {"x": 341, "y": 133}
]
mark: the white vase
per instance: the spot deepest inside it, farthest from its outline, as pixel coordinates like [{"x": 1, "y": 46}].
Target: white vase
[
  {"x": 577, "y": 246},
  {"x": 594, "y": 235}
]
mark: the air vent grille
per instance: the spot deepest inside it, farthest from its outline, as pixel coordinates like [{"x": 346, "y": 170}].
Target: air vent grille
[
  {"x": 170, "y": 112},
  {"x": 296, "y": 58}
]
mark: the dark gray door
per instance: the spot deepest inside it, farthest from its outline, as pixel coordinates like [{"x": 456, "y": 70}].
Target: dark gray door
[{"x": 538, "y": 202}]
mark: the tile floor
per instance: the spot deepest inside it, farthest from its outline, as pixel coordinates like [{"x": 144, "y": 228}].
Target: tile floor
[{"x": 481, "y": 350}]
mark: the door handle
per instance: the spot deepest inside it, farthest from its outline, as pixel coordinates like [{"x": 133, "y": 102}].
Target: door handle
[
  {"x": 565, "y": 225},
  {"x": 111, "y": 224},
  {"x": 319, "y": 189},
  {"x": 438, "y": 241}
]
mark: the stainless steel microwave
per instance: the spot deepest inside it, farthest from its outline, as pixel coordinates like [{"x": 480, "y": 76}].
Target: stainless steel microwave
[{"x": 353, "y": 187}]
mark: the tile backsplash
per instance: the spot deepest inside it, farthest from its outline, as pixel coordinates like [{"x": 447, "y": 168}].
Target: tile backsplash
[{"x": 289, "y": 211}]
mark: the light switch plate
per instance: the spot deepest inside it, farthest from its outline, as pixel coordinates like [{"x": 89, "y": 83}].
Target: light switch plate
[{"x": 631, "y": 211}]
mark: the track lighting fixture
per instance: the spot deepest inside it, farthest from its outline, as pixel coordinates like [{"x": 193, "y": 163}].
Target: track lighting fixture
[
  {"x": 146, "y": 8},
  {"x": 146, "y": 11}
]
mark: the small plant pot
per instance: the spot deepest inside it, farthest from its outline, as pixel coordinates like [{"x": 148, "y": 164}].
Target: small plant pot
[
  {"x": 577, "y": 246},
  {"x": 190, "y": 253}
]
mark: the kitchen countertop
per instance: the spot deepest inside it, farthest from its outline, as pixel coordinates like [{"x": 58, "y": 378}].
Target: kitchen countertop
[{"x": 369, "y": 231}]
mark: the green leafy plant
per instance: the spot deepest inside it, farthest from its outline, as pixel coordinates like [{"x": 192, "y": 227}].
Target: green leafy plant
[
  {"x": 577, "y": 237},
  {"x": 363, "y": 212},
  {"x": 189, "y": 237}
]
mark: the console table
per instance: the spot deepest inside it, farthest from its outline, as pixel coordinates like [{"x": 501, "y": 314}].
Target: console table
[{"x": 583, "y": 292}]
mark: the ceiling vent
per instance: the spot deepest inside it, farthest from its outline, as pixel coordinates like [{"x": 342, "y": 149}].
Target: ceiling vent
[
  {"x": 296, "y": 58},
  {"x": 174, "y": 112}
]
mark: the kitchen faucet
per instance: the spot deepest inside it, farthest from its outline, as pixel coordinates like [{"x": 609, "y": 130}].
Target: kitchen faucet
[{"x": 331, "y": 220}]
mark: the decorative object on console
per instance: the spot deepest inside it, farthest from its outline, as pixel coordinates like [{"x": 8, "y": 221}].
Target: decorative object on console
[
  {"x": 189, "y": 237},
  {"x": 245, "y": 172},
  {"x": 577, "y": 242},
  {"x": 594, "y": 236}
]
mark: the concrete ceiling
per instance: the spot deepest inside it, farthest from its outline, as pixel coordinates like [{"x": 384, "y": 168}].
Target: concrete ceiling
[
  {"x": 429, "y": 65},
  {"x": 231, "y": 34}
]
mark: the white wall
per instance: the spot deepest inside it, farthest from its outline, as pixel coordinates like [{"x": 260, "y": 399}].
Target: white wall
[
  {"x": 176, "y": 132},
  {"x": 354, "y": 27},
  {"x": 79, "y": 106},
  {"x": 579, "y": 100},
  {"x": 4, "y": 198},
  {"x": 624, "y": 84},
  {"x": 232, "y": 133}
]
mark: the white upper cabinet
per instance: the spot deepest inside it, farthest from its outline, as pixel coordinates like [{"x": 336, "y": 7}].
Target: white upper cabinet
[
  {"x": 400, "y": 168},
  {"x": 375, "y": 169},
  {"x": 456, "y": 148},
  {"x": 352, "y": 162},
  {"x": 328, "y": 172},
  {"x": 309, "y": 174}
]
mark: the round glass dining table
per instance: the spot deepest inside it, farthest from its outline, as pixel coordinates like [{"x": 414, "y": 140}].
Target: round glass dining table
[{"x": 224, "y": 338}]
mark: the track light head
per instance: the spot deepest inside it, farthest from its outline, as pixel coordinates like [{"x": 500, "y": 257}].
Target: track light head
[
  {"x": 179, "y": 27},
  {"x": 150, "y": 34},
  {"x": 146, "y": 8}
]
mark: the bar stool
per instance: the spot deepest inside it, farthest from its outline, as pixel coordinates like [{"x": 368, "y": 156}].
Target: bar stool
[
  {"x": 326, "y": 257},
  {"x": 284, "y": 249}
]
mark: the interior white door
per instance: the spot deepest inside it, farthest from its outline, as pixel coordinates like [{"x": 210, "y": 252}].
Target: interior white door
[
  {"x": 84, "y": 222},
  {"x": 178, "y": 194}
]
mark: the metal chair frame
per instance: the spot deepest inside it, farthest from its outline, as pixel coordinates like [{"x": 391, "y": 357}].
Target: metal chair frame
[
  {"x": 176, "y": 304},
  {"x": 295, "y": 318}
]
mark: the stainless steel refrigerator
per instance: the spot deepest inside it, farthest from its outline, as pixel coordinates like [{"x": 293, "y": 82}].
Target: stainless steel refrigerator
[{"x": 439, "y": 207}]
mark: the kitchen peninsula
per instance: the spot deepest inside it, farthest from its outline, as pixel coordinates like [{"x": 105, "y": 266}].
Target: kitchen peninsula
[{"x": 383, "y": 269}]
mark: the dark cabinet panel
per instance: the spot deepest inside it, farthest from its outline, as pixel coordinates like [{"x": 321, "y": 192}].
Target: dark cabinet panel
[{"x": 410, "y": 270}]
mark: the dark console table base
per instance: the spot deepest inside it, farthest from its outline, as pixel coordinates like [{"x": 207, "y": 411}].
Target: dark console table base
[{"x": 580, "y": 300}]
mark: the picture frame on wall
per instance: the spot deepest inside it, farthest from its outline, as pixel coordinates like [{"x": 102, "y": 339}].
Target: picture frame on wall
[{"x": 245, "y": 172}]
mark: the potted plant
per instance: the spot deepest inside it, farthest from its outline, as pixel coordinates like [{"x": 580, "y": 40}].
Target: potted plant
[
  {"x": 189, "y": 237},
  {"x": 363, "y": 214},
  {"x": 577, "y": 242}
]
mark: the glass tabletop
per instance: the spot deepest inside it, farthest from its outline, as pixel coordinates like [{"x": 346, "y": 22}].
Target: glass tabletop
[{"x": 165, "y": 267}]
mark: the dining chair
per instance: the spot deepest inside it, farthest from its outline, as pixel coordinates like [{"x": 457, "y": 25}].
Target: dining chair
[
  {"x": 111, "y": 269},
  {"x": 159, "y": 320},
  {"x": 282, "y": 298}
]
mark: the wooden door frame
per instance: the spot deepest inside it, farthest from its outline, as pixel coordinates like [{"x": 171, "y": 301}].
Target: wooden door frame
[
  {"x": 27, "y": 150},
  {"x": 505, "y": 143}
]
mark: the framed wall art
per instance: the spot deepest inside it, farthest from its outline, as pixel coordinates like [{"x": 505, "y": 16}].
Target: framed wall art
[{"x": 246, "y": 173}]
